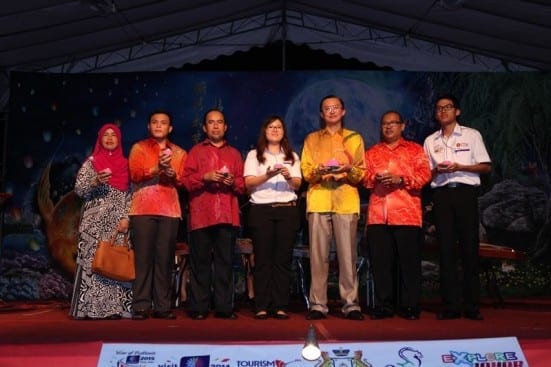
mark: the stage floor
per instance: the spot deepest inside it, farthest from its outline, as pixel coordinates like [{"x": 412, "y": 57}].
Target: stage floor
[{"x": 43, "y": 331}]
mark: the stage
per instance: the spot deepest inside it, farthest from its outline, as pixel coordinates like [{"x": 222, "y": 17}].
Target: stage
[{"x": 41, "y": 333}]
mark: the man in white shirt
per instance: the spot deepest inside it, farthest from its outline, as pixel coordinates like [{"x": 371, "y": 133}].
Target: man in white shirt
[{"x": 457, "y": 156}]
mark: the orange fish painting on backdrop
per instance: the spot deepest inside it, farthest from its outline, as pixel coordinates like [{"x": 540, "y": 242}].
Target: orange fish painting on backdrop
[{"x": 61, "y": 223}]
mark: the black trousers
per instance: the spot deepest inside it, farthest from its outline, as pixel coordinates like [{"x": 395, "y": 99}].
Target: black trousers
[
  {"x": 394, "y": 248},
  {"x": 273, "y": 231},
  {"x": 456, "y": 218},
  {"x": 154, "y": 241},
  {"x": 211, "y": 264}
]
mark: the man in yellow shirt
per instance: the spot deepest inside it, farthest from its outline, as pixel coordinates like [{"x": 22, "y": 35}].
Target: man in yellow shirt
[{"x": 332, "y": 163}]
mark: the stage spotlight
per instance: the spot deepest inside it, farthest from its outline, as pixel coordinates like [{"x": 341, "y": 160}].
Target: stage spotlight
[{"x": 311, "y": 350}]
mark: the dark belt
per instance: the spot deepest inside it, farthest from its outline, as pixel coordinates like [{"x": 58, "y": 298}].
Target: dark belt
[
  {"x": 277, "y": 205},
  {"x": 454, "y": 185}
]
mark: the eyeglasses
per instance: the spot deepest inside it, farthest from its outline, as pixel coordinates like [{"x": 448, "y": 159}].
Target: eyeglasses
[
  {"x": 212, "y": 122},
  {"x": 445, "y": 108},
  {"x": 331, "y": 108},
  {"x": 273, "y": 127},
  {"x": 391, "y": 123}
]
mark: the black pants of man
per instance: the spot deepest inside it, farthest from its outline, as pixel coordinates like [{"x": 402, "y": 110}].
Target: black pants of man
[
  {"x": 211, "y": 264},
  {"x": 456, "y": 218},
  {"x": 394, "y": 248},
  {"x": 154, "y": 241}
]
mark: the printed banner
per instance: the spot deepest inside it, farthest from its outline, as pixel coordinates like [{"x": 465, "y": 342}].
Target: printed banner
[{"x": 490, "y": 352}]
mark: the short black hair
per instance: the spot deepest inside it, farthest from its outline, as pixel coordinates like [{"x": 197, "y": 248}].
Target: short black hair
[
  {"x": 215, "y": 109},
  {"x": 451, "y": 97},
  {"x": 331, "y": 96},
  {"x": 389, "y": 112},
  {"x": 160, "y": 111}
]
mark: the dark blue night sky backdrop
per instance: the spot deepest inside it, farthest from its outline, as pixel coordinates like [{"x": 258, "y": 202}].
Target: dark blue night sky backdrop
[{"x": 54, "y": 118}]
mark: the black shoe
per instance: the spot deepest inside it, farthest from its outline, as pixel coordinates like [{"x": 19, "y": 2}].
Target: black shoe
[
  {"x": 140, "y": 315},
  {"x": 165, "y": 315},
  {"x": 315, "y": 315},
  {"x": 81, "y": 318},
  {"x": 355, "y": 315},
  {"x": 225, "y": 315},
  {"x": 379, "y": 314},
  {"x": 448, "y": 315},
  {"x": 114, "y": 316},
  {"x": 261, "y": 315},
  {"x": 195, "y": 315},
  {"x": 409, "y": 313},
  {"x": 281, "y": 315},
  {"x": 473, "y": 315},
  {"x": 98, "y": 318}
]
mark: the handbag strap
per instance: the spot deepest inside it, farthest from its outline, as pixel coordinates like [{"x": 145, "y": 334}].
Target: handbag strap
[{"x": 124, "y": 238}]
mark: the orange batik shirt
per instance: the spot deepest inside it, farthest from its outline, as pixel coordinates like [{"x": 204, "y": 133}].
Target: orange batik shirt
[
  {"x": 398, "y": 204},
  {"x": 153, "y": 193}
]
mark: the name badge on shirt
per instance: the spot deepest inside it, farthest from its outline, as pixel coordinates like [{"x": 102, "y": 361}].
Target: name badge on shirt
[{"x": 462, "y": 147}]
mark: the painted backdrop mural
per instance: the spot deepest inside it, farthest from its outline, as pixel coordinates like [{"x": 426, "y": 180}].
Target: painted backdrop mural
[{"x": 53, "y": 121}]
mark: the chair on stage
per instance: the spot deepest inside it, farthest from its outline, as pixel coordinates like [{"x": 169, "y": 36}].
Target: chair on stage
[
  {"x": 301, "y": 254},
  {"x": 244, "y": 248},
  {"x": 364, "y": 268},
  {"x": 181, "y": 276}
]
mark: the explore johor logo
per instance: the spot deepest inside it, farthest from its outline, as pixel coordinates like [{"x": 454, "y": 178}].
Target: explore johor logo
[{"x": 490, "y": 359}]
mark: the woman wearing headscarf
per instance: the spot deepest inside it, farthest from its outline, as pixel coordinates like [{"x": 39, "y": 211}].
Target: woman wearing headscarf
[{"x": 103, "y": 184}]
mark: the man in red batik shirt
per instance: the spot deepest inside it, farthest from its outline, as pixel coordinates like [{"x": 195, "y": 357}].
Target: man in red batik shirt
[{"x": 213, "y": 176}]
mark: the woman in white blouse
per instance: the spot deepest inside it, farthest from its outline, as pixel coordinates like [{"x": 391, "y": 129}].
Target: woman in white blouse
[{"x": 272, "y": 175}]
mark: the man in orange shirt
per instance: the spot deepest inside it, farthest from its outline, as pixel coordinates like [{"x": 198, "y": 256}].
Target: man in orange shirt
[
  {"x": 396, "y": 171},
  {"x": 156, "y": 171}
]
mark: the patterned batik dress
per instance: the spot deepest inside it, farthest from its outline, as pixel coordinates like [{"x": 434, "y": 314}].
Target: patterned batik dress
[{"x": 95, "y": 296}]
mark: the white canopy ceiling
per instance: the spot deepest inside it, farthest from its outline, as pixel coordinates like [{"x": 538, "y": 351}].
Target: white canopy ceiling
[{"x": 144, "y": 35}]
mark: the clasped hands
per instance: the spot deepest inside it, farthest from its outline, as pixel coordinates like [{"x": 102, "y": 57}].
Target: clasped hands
[
  {"x": 218, "y": 176},
  {"x": 333, "y": 172},
  {"x": 448, "y": 167},
  {"x": 102, "y": 177},
  {"x": 387, "y": 179},
  {"x": 271, "y": 172},
  {"x": 164, "y": 165}
]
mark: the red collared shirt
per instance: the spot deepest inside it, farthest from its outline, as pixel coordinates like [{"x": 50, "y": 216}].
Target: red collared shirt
[
  {"x": 212, "y": 203},
  {"x": 399, "y": 204}
]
